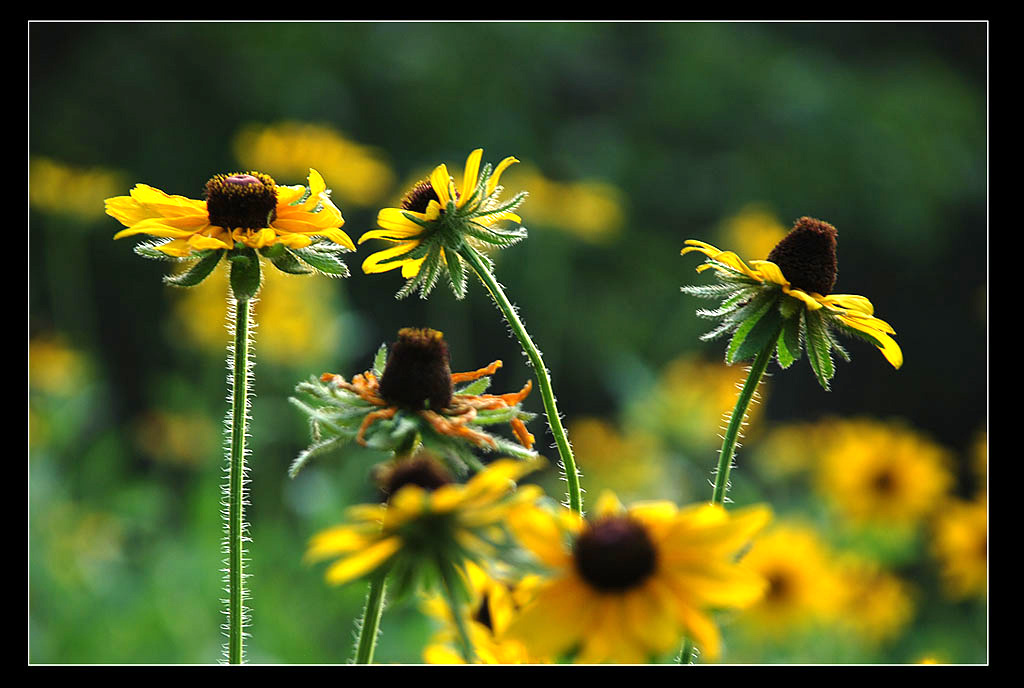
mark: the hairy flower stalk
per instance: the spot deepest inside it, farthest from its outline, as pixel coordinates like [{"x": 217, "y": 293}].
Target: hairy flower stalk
[
  {"x": 369, "y": 625},
  {"x": 439, "y": 229},
  {"x": 245, "y": 217},
  {"x": 776, "y": 308}
]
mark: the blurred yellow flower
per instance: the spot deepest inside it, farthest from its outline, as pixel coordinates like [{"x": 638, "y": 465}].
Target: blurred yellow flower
[
  {"x": 179, "y": 438},
  {"x": 803, "y": 589},
  {"x": 63, "y": 189},
  {"x": 883, "y": 473},
  {"x": 358, "y": 173},
  {"x": 960, "y": 541},
  {"x": 876, "y": 604},
  {"x": 754, "y": 232},
  {"x": 632, "y": 464},
  {"x": 690, "y": 396},
  {"x": 626, "y": 585},
  {"x": 790, "y": 449},
  {"x": 493, "y": 603},
  {"x": 297, "y": 314},
  {"x": 54, "y": 366},
  {"x": 589, "y": 210}
]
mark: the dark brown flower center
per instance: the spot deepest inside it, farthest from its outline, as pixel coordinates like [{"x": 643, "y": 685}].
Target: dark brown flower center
[
  {"x": 779, "y": 587},
  {"x": 419, "y": 197},
  {"x": 418, "y": 374},
  {"x": 421, "y": 470},
  {"x": 483, "y": 613},
  {"x": 807, "y": 256},
  {"x": 883, "y": 482},
  {"x": 614, "y": 554},
  {"x": 246, "y": 200}
]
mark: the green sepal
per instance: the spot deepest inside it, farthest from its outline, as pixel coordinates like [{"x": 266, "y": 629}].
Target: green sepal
[
  {"x": 750, "y": 315},
  {"x": 764, "y": 334},
  {"x": 198, "y": 272},
  {"x": 148, "y": 249},
  {"x": 285, "y": 261},
  {"x": 380, "y": 360},
  {"x": 790, "y": 307},
  {"x": 322, "y": 260},
  {"x": 245, "y": 273},
  {"x": 478, "y": 386},
  {"x": 456, "y": 273},
  {"x": 819, "y": 348},
  {"x": 790, "y": 347}
]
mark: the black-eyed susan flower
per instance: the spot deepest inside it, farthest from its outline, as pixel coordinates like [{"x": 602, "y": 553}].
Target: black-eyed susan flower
[
  {"x": 626, "y": 585},
  {"x": 409, "y": 396},
  {"x": 429, "y": 525},
  {"x": 876, "y": 604},
  {"x": 960, "y": 542},
  {"x": 439, "y": 222},
  {"x": 786, "y": 301},
  {"x": 297, "y": 228},
  {"x": 882, "y": 474},
  {"x": 803, "y": 589},
  {"x": 494, "y": 597}
]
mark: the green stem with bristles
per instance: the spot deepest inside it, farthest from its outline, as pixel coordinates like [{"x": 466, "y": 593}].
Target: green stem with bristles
[
  {"x": 370, "y": 623},
  {"x": 572, "y": 477},
  {"x": 236, "y": 477},
  {"x": 465, "y": 645},
  {"x": 728, "y": 451}
]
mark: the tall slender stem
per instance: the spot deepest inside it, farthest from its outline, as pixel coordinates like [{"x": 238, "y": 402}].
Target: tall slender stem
[
  {"x": 370, "y": 624},
  {"x": 739, "y": 413},
  {"x": 544, "y": 381},
  {"x": 465, "y": 645},
  {"x": 728, "y": 450},
  {"x": 236, "y": 478}
]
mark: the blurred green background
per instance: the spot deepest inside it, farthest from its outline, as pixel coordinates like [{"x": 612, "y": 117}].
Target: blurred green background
[{"x": 633, "y": 137}]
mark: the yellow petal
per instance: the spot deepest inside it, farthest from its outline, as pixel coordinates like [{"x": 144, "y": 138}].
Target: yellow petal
[
  {"x": 608, "y": 505},
  {"x": 441, "y": 181},
  {"x": 851, "y": 302},
  {"x": 889, "y": 348},
  {"x": 811, "y": 303},
  {"x": 374, "y": 262},
  {"x": 492, "y": 183},
  {"x": 471, "y": 176},
  {"x": 770, "y": 271},
  {"x": 363, "y": 562}
]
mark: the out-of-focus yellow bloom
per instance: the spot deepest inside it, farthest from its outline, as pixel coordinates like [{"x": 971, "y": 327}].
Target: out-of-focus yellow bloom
[
  {"x": 493, "y": 604},
  {"x": 803, "y": 590},
  {"x": 883, "y": 473},
  {"x": 79, "y": 544},
  {"x": 930, "y": 659},
  {"x": 754, "y": 232},
  {"x": 588, "y": 209},
  {"x": 178, "y": 438},
  {"x": 960, "y": 541},
  {"x": 54, "y": 366},
  {"x": 631, "y": 464},
  {"x": 62, "y": 189},
  {"x": 358, "y": 173},
  {"x": 626, "y": 585},
  {"x": 790, "y": 449},
  {"x": 876, "y": 604},
  {"x": 296, "y": 313},
  {"x": 690, "y": 396}
]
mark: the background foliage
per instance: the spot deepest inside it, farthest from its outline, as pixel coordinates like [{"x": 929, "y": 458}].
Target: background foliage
[{"x": 633, "y": 137}]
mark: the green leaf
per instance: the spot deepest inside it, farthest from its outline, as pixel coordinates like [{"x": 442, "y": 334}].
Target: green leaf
[
  {"x": 245, "y": 273},
  {"x": 476, "y": 387},
  {"x": 322, "y": 260},
  {"x": 819, "y": 348},
  {"x": 456, "y": 273},
  {"x": 198, "y": 272},
  {"x": 790, "y": 347},
  {"x": 748, "y": 317}
]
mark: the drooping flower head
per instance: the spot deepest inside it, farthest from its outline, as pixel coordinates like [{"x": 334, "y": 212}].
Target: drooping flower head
[
  {"x": 438, "y": 219},
  {"x": 295, "y": 227},
  {"x": 411, "y": 394},
  {"x": 427, "y": 523},
  {"x": 786, "y": 301},
  {"x": 626, "y": 585}
]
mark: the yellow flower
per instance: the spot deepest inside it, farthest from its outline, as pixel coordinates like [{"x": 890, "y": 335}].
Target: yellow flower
[
  {"x": 420, "y": 528},
  {"x": 54, "y": 366},
  {"x": 250, "y": 208},
  {"x": 788, "y": 297},
  {"x": 883, "y": 473},
  {"x": 493, "y": 603},
  {"x": 754, "y": 231},
  {"x": 960, "y": 541},
  {"x": 436, "y": 219},
  {"x": 629, "y": 584},
  {"x": 359, "y": 173},
  {"x": 803, "y": 590},
  {"x": 876, "y": 604},
  {"x": 59, "y": 188},
  {"x": 630, "y": 462}
]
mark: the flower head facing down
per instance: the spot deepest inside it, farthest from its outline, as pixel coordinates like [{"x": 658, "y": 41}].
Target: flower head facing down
[
  {"x": 297, "y": 228},
  {"x": 410, "y": 393},
  {"x": 422, "y": 527},
  {"x": 437, "y": 219},
  {"x": 627, "y": 584},
  {"x": 786, "y": 301}
]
